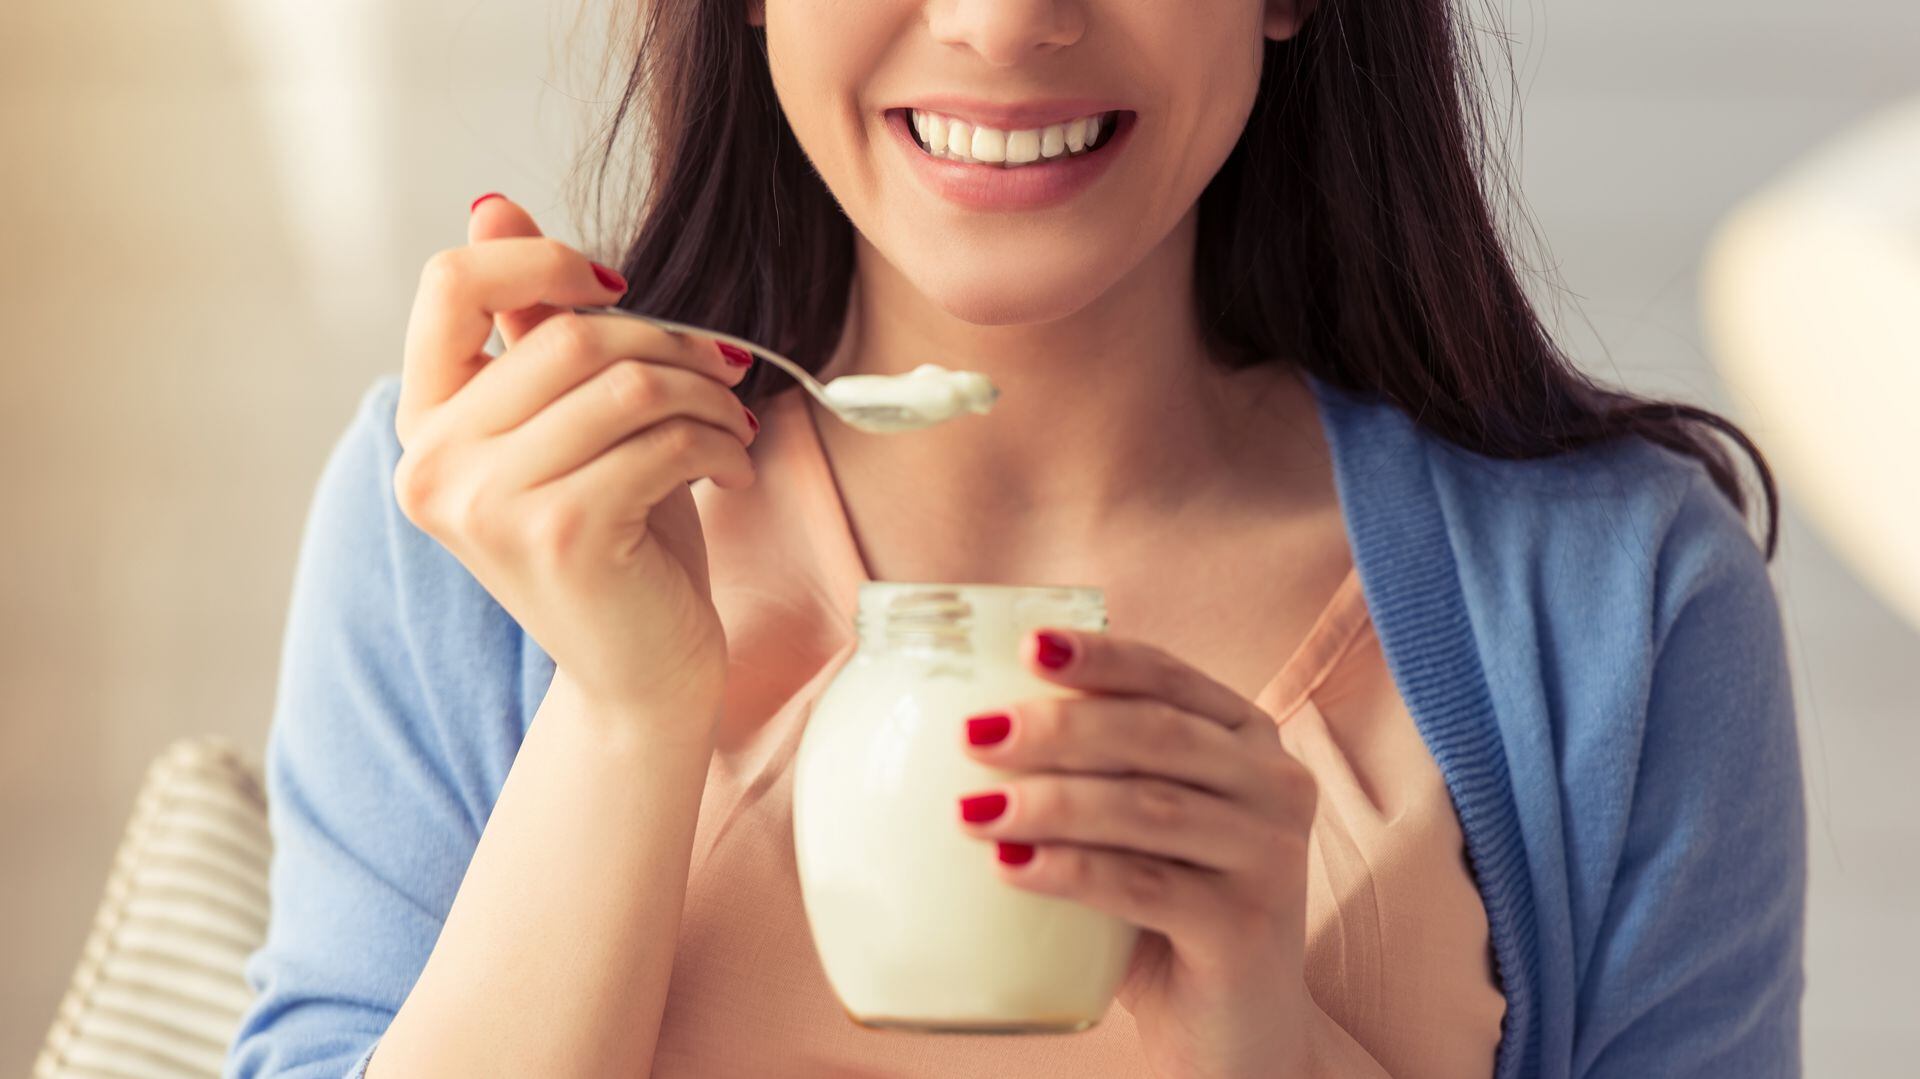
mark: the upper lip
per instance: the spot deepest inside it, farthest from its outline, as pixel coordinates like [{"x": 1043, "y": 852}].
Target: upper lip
[{"x": 1018, "y": 116}]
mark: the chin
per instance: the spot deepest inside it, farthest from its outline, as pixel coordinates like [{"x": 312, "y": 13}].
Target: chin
[{"x": 988, "y": 295}]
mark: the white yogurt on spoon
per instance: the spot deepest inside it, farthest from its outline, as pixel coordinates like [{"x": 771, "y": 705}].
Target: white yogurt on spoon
[{"x": 922, "y": 397}]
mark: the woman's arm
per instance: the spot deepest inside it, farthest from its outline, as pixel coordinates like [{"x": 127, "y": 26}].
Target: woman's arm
[
  {"x": 401, "y": 702},
  {"x": 1697, "y": 966},
  {"x": 555, "y": 957}
]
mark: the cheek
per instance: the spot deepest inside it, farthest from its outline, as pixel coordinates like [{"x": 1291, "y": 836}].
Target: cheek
[{"x": 821, "y": 61}]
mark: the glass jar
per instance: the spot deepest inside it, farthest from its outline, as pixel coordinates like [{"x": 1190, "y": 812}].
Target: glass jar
[{"x": 913, "y": 924}]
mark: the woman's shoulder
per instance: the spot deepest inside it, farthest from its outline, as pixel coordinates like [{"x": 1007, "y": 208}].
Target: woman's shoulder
[
  {"x": 360, "y": 519},
  {"x": 1621, "y": 524},
  {"x": 380, "y": 605}
]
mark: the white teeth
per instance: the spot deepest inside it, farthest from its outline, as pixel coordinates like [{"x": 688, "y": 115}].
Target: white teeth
[
  {"x": 989, "y": 145},
  {"x": 1076, "y": 136},
  {"x": 961, "y": 141},
  {"x": 1022, "y": 147}
]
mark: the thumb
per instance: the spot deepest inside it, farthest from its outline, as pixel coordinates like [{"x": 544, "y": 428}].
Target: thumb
[{"x": 496, "y": 217}]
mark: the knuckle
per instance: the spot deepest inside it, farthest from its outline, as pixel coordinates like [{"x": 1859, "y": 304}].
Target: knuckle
[
  {"x": 557, "y": 259},
  {"x": 1297, "y": 793},
  {"x": 1167, "y": 671},
  {"x": 444, "y": 272},
  {"x": 1077, "y": 871},
  {"x": 569, "y": 334},
  {"x": 554, "y": 528},
  {"x": 679, "y": 439},
  {"x": 1059, "y": 733},
  {"x": 468, "y": 515},
  {"x": 1145, "y": 882},
  {"x": 1042, "y": 721},
  {"x": 1170, "y": 732},
  {"x": 1051, "y": 804},
  {"x": 404, "y": 426},
  {"x": 414, "y": 485},
  {"x": 1162, "y": 807},
  {"x": 1260, "y": 731},
  {"x": 1297, "y": 780},
  {"x": 629, "y": 386}
]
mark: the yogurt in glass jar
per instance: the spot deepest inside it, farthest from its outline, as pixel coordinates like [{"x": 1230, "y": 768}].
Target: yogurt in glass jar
[{"x": 913, "y": 924}]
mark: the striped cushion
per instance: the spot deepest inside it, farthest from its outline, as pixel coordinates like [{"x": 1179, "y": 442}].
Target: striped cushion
[{"x": 159, "y": 991}]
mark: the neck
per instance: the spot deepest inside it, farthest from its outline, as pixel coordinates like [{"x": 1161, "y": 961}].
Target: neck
[{"x": 1114, "y": 415}]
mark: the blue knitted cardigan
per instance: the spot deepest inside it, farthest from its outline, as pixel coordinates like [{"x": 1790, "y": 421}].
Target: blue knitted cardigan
[{"x": 1589, "y": 644}]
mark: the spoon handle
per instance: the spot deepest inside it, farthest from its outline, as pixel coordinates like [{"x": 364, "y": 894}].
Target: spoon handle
[{"x": 799, "y": 373}]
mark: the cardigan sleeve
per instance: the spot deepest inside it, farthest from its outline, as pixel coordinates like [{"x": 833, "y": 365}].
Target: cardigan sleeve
[
  {"x": 371, "y": 828},
  {"x": 1698, "y": 964}
]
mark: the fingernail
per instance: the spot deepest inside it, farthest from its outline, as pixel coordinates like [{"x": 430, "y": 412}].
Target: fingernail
[
  {"x": 739, "y": 357},
  {"x": 986, "y": 730},
  {"x": 483, "y": 198},
  {"x": 609, "y": 279},
  {"x": 979, "y": 808},
  {"x": 1053, "y": 651},
  {"x": 753, "y": 421},
  {"x": 1016, "y": 853}
]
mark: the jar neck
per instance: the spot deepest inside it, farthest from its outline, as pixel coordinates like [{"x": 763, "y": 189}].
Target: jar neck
[{"x": 962, "y": 619}]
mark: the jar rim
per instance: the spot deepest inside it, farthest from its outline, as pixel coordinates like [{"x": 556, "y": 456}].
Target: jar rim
[{"x": 1086, "y": 592}]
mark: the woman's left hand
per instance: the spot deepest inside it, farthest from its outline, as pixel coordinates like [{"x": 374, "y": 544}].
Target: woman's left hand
[{"x": 1163, "y": 798}]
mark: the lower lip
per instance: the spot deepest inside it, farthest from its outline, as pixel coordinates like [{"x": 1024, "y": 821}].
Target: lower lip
[{"x": 990, "y": 187}]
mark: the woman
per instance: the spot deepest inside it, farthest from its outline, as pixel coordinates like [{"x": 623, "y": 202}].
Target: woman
[{"x": 1444, "y": 727}]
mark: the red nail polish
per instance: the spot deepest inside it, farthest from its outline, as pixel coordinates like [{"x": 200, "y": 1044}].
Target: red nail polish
[
  {"x": 986, "y": 730},
  {"x": 483, "y": 198},
  {"x": 752, "y": 420},
  {"x": 1053, "y": 650},
  {"x": 739, "y": 357},
  {"x": 609, "y": 279},
  {"x": 1016, "y": 853},
  {"x": 981, "y": 808}
]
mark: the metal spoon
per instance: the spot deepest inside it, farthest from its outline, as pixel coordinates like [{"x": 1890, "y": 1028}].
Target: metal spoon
[{"x": 873, "y": 417}]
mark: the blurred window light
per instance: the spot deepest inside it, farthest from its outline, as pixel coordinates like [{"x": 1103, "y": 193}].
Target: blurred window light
[
  {"x": 316, "y": 73},
  {"x": 1811, "y": 307}
]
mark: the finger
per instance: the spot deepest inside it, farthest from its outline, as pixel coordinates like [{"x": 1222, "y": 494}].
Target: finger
[
  {"x": 1150, "y": 892},
  {"x": 1112, "y": 736},
  {"x": 1139, "y": 814},
  {"x": 624, "y": 399},
  {"x": 461, "y": 289},
  {"x": 567, "y": 350},
  {"x": 620, "y": 488},
  {"x": 497, "y": 217},
  {"x": 1098, "y": 663}
]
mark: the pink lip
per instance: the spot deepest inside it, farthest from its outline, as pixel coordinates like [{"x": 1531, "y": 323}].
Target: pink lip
[
  {"x": 1026, "y": 114},
  {"x": 989, "y": 187}
]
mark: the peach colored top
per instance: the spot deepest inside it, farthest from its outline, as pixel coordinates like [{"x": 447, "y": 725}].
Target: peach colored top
[{"x": 1397, "y": 949}]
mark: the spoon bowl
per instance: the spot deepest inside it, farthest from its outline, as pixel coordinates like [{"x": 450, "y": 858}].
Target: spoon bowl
[{"x": 873, "y": 416}]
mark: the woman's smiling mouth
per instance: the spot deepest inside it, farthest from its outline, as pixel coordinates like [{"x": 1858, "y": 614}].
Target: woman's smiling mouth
[
  {"x": 953, "y": 138},
  {"x": 1009, "y": 168}
]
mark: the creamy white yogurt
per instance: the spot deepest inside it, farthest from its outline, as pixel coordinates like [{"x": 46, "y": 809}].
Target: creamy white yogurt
[{"x": 922, "y": 397}]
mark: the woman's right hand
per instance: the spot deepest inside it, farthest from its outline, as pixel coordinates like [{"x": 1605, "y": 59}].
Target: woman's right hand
[{"x": 557, "y": 471}]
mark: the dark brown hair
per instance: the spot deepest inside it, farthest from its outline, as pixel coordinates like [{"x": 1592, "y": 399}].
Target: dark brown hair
[{"x": 1350, "y": 231}]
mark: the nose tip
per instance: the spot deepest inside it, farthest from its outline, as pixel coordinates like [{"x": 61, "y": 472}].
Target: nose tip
[{"x": 1004, "y": 34}]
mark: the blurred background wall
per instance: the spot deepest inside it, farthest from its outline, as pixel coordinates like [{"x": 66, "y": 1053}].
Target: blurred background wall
[{"x": 212, "y": 215}]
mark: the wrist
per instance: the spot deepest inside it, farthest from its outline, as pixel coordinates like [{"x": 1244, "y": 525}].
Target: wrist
[{"x": 616, "y": 721}]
